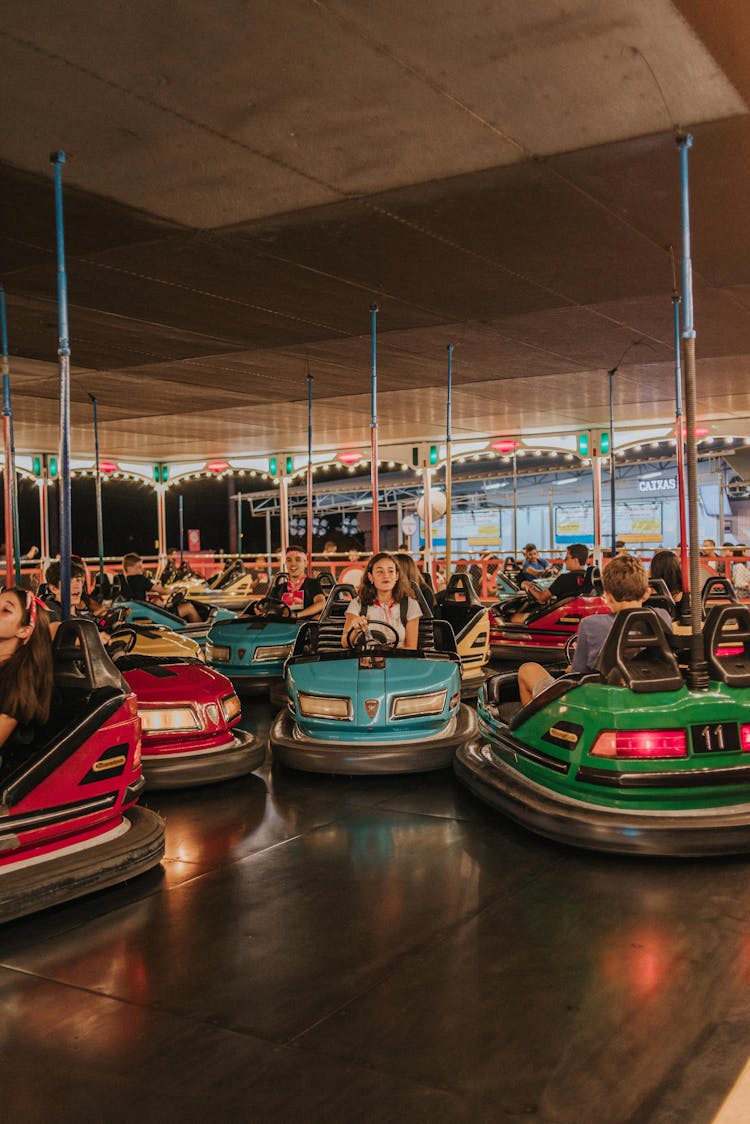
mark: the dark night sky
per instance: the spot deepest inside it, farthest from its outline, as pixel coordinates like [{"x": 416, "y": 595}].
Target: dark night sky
[{"x": 129, "y": 517}]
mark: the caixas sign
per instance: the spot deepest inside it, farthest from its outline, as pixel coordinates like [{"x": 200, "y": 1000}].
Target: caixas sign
[{"x": 659, "y": 485}]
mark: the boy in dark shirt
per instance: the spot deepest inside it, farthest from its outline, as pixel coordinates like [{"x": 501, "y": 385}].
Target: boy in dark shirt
[
  {"x": 133, "y": 583},
  {"x": 568, "y": 584},
  {"x": 625, "y": 587}
]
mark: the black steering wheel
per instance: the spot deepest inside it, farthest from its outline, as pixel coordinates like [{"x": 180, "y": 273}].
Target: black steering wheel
[
  {"x": 173, "y": 602},
  {"x": 271, "y": 610},
  {"x": 121, "y": 643},
  {"x": 374, "y": 636}
]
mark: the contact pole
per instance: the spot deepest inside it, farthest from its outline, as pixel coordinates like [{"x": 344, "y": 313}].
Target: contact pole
[
  {"x": 284, "y": 517},
  {"x": 63, "y": 352},
  {"x": 8, "y": 470},
  {"x": 16, "y": 538},
  {"x": 612, "y": 374},
  {"x": 309, "y": 473},
  {"x": 680, "y": 443},
  {"x": 374, "y": 430},
  {"x": 239, "y": 525},
  {"x": 99, "y": 521},
  {"x": 698, "y": 677},
  {"x": 181, "y": 527},
  {"x": 515, "y": 505},
  {"x": 448, "y": 467}
]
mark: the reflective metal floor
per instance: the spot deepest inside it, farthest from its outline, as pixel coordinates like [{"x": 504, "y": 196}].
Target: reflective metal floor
[{"x": 324, "y": 949}]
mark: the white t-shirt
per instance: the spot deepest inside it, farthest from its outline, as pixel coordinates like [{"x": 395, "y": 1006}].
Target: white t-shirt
[{"x": 388, "y": 614}]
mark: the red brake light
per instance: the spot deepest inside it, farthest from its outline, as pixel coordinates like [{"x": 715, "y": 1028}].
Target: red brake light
[
  {"x": 643, "y": 744},
  {"x": 745, "y": 738}
]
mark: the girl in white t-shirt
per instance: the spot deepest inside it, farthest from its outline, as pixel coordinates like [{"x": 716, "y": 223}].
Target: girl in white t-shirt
[{"x": 380, "y": 597}]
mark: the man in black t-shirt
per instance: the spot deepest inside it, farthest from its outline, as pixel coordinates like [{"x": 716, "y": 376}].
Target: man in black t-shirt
[
  {"x": 568, "y": 584},
  {"x": 133, "y": 583},
  {"x": 303, "y": 594}
]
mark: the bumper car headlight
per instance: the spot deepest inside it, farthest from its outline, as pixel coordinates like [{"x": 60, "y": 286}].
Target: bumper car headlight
[
  {"x": 273, "y": 652},
  {"x": 411, "y": 706},
  {"x": 325, "y": 706},
  {"x": 231, "y": 706},
  {"x": 216, "y": 652},
  {"x": 159, "y": 720}
]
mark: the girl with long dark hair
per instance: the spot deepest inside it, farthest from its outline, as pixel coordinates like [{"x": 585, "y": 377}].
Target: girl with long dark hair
[
  {"x": 384, "y": 595},
  {"x": 25, "y": 661}
]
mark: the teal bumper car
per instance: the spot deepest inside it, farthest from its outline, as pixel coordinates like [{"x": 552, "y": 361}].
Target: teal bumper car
[
  {"x": 252, "y": 648},
  {"x": 144, "y": 612},
  {"x": 371, "y": 708},
  {"x": 630, "y": 759}
]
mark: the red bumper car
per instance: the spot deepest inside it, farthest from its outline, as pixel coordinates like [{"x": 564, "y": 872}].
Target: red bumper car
[
  {"x": 68, "y": 821},
  {"x": 190, "y": 715},
  {"x": 545, "y": 630}
]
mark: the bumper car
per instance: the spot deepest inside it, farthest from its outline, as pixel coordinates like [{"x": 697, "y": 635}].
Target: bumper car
[
  {"x": 154, "y": 640},
  {"x": 189, "y": 715},
  {"x": 145, "y": 613},
  {"x": 546, "y": 629},
  {"x": 630, "y": 759},
  {"x": 251, "y": 649},
  {"x": 469, "y": 618},
  {"x": 69, "y": 821},
  {"x": 371, "y": 708}
]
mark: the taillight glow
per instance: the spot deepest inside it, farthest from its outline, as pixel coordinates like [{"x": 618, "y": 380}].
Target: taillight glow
[
  {"x": 640, "y": 744},
  {"x": 726, "y": 650},
  {"x": 505, "y": 446},
  {"x": 745, "y": 738}
]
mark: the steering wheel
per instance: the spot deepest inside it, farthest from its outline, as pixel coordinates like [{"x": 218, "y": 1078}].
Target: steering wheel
[
  {"x": 113, "y": 618},
  {"x": 272, "y": 610},
  {"x": 570, "y": 647},
  {"x": 375, "y": 636},
  {"x": 121, "y": 643},
  {"x": 177, "y": 599}
]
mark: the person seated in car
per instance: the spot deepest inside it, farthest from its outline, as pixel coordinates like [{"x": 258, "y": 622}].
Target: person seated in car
[
  {"x": 666, "y": 567},
  {"x": 414, "y": 575},
  {"x": 384, "y": 596},
  {"x": 26, "y": 669},
  {"x": 133, "y": 584},
  {"x": 303, "y": 594},
  {"x": 172, "y": 571},
  {"x": 625, "y": 587},
  {"x": 533, "y": 566},
  {"x": 568, "y": 584},
  {"x": 78, "y": 604}
]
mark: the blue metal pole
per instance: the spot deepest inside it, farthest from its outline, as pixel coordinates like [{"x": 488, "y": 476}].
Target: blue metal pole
[
  {"x": 374, "y": 430},
  {"x": 63, "y": 351},
  {"x": 698, "y": 676}
]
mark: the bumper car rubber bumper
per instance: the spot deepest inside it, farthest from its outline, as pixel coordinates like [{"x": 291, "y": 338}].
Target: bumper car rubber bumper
[
  {"x": 312, "y": 756},
  {"x": 130, "y": 848},
  {"x": 688, "y": 834},
  {"x": 182, "y": 770}
]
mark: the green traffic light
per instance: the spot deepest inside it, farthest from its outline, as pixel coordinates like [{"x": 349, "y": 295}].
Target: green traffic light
[
  {"x": 433, "y": 454},
  {"x": 604, "y": 443},
  {"x": 289, "y": 465},
  {"x": 53, "y": 467},
  {"x": 583, "y": 444},
  {"x": 272, "y": 466}
]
